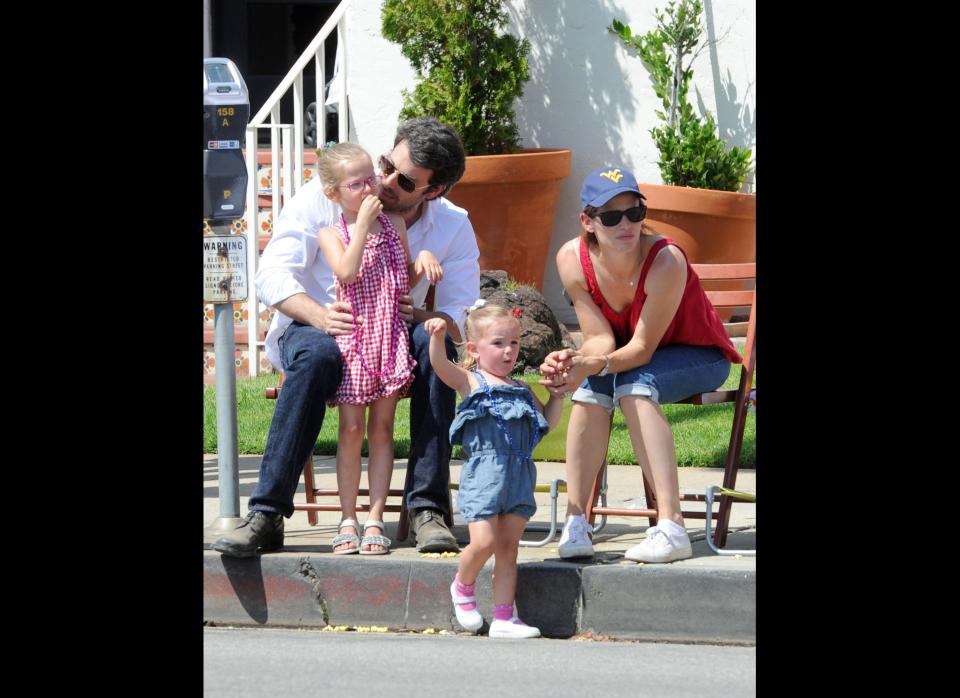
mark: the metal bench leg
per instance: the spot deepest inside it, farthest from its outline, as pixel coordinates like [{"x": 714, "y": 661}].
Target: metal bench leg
[
  {"x": 552, "y": 531},
  {"x": 711, "y": 491},
  {"x": 600, "y": 487}
]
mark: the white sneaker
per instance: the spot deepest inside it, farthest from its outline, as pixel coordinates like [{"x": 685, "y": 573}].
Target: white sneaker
[
  {"x": 469, "y": 620},
  {"x": 513, "y": 628},
  {"x": 661, "y": 546},
  {"x": 576, "y": 539}
]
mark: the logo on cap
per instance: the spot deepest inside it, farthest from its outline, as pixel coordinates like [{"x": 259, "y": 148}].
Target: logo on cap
[{"x": 613, "y": 175}]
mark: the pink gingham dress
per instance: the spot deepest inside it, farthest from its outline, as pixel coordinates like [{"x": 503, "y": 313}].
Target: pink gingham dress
[{"x": 376, "y": 356}]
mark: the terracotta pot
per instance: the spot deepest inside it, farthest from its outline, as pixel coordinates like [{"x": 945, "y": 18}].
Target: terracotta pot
[
  {"x": 511, "y": 200},
  {"x": 712, "y": 227}
]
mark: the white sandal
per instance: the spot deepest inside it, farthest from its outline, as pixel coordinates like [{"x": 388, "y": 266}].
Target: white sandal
[
  {"x": 343, "y": 538},
  {"x": 370, "y": 539}
]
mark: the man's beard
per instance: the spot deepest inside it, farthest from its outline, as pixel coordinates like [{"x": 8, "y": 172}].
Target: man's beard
[
  {"x": 394, "y": 205},
  {"x": 396, "y": 208}
]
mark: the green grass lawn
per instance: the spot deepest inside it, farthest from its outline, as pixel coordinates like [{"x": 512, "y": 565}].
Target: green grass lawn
[{"x": 701, "y": 433}]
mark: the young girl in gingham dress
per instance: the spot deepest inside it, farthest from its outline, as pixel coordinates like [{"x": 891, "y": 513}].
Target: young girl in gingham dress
[
  {"x": 376, "y": 357},
  {"x": 369, "y": 255}
]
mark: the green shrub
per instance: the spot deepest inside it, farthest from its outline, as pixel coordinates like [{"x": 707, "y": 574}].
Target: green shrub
[
  {"x": 691, "y": 152},
  {"x": 470, "y": 75}
]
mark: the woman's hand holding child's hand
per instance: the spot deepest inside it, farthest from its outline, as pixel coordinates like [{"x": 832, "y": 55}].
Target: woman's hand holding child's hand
[{"x": 556, "y": 369}]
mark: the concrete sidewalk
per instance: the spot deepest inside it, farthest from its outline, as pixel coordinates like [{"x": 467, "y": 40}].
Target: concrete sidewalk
[{"x": 708, "y": 598}]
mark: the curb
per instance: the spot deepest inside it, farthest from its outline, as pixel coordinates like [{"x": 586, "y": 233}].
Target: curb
[
  {"x": 666, "y": 603},
  {"x": 562, "y": 599}
]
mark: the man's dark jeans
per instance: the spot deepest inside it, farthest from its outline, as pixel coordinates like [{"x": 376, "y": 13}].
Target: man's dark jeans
[
  {"x": 312, "y": 367},
  {"x": 432, "y": 405}
]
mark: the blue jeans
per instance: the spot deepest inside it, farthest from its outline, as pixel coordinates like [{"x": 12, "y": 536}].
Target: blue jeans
[
  {"x": 432, "y": 405},
  {"x": 312, "y": 366}
]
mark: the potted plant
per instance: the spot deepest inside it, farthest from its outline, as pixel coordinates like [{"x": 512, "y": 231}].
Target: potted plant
[
  {"x": 698, "y": 205},
  {"x": 470, "y": 76}
]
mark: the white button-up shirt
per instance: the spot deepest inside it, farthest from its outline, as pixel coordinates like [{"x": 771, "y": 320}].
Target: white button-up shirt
[{"x": 294, "y": 263}]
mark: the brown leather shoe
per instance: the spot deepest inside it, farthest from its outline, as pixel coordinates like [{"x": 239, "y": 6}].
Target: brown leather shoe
[
  {"x": 432, "y": 533},
  {"x": 260, "y": 532}
]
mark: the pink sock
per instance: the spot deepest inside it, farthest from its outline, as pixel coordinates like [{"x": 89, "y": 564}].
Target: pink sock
[
  {"x": 464, "y": 590},
  {"x": 503, "y": 611}
]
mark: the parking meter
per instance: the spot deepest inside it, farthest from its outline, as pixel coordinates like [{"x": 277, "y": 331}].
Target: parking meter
[{"x": 226, "y": 110}]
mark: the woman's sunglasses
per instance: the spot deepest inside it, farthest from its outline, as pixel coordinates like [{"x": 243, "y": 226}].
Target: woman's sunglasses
[
  {"x": 612, "y": 218},
  {"x": 387, "y": 168}
]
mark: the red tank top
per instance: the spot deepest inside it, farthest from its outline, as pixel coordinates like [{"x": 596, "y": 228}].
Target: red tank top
[{"x": 696, "y": 322}]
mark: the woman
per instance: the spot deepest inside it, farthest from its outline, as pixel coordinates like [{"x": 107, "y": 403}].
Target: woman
[{"x": 651, "y": 337}]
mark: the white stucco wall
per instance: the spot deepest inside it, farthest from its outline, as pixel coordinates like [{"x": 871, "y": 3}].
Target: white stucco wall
[{"x": 586, "y": 92}]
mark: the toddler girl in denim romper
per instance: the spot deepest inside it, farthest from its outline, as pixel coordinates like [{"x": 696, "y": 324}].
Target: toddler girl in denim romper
[{"x": 498, "y": 423}]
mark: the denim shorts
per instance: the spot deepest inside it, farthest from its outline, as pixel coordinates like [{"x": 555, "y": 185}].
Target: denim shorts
[
  {"x": 675, "y": 372},
  {"x": 493, "y": 483}
]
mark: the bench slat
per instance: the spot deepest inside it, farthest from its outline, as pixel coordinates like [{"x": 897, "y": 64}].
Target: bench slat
[{"x": 726, "y": 271}]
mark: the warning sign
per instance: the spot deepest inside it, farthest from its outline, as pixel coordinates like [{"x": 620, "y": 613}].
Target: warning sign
[{"x": 224, "y": 268}]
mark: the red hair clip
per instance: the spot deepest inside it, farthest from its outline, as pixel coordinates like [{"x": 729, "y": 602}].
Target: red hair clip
[{"x": 517, "y": 312}]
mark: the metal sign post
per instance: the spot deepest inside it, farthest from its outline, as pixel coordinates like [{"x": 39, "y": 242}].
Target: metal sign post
[
  {"x": 224, "y": 282},
  {"x": 226, "y": 108}
]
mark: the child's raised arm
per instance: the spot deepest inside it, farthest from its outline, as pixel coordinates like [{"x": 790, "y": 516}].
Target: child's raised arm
[
  {"x": 553, "y": 408},
  {"x": 425, "y": 263},
  {"x": 345, "y": 260},
  {"x": 451, "y": 374}
]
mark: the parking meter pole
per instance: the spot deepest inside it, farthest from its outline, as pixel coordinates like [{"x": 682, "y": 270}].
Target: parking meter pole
[
  {"x": 228, "y": 461},
  {"x": 226, "y": 109}
]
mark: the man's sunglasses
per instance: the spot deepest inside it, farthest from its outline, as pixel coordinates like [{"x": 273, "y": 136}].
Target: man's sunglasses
[
  {"x": 387, "y": 168},
  {"x": 612, "y": 218}
]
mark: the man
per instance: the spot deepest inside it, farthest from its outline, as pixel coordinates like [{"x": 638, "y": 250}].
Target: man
[{"x": 426, "y": 161}]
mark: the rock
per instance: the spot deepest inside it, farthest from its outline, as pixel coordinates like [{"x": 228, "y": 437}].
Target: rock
[{"x": 540, "y": 331}]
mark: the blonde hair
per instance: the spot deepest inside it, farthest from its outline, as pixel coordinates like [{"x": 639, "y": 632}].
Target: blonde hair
[
  {"x": 330, "y": 163},
  {"x": 475, "y": 324}
]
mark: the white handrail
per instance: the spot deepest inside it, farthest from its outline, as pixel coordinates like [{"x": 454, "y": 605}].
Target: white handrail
[
  {"x": 253, "y": 250},
  {"x": 343, "y": 107},
  {"x": 291, "y": 139}
]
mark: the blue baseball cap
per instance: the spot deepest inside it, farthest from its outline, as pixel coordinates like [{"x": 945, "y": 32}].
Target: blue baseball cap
[{"x": 606, "y": 182}]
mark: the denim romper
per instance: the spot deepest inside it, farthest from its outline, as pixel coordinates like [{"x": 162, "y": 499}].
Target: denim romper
[{"x": 495, "y": 479}]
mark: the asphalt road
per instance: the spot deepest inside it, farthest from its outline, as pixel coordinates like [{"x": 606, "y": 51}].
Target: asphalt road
[{"x": 268, "y": 662}]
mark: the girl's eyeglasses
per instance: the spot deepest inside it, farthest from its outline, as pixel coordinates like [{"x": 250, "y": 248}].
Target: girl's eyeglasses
[
  {"x": 612, "y": 218},
  {"x": 372, "y": 180},
  {"x": 407, "y": 184}
]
